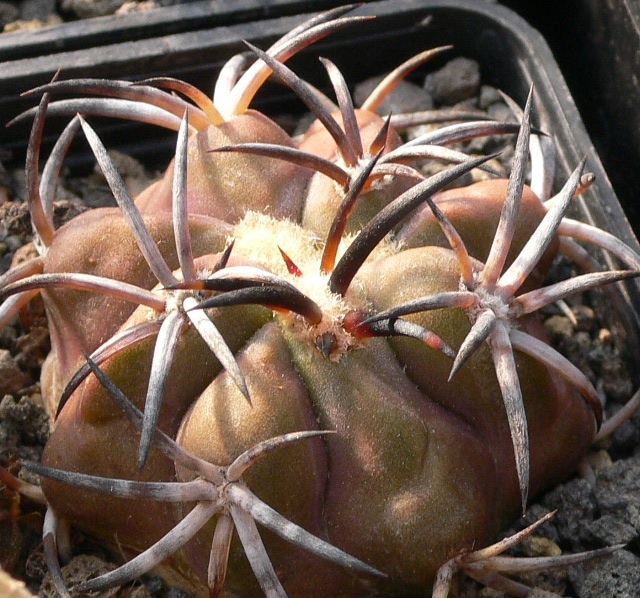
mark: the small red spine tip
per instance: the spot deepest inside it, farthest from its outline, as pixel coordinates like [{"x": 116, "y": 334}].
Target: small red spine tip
[
  {"x": 434, "y": 341},
  {"x": 293, "y": 269},
  {"x": 352, "y": 324}
]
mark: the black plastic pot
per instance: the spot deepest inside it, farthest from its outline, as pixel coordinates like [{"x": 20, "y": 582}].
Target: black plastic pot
[
  {"x": 597, "y": 45},
  {"x": 512, "y": 56},
  {"x": 185, "y": 15}
]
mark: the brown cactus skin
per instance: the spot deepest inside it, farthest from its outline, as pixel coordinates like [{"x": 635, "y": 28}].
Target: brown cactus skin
[
  {"x": 100, "y": 242},
  {"x": 323, "y": 196},
  {"x": 462, "y": 206},
  {"x": 383, "y": 503},
  {"x": 217, "y": 182},
  {"x": 102, "y": 425},
  {"x": 551, "y": 420},
  {"x": 220, "y": 423}
]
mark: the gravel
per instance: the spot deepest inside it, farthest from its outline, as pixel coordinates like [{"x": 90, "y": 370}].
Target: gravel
[{"x": 19, "y": 15}]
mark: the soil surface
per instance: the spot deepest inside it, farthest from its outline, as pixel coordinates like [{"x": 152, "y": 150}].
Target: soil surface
[{"x": 22, "y": 15}]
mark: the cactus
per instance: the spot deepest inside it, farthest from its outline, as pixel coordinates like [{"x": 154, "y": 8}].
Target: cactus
[{"x": 266, "y": 335}]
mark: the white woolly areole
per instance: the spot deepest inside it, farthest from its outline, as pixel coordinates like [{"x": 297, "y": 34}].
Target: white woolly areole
[
  {"x": 489, "y": 300},
  {"x": 259, "y": 238}
]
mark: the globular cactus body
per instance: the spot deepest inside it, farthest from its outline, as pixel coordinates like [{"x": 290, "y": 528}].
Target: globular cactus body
[
  {"x": 273, "y": 302},
  {"x": 383, "y": 487}
]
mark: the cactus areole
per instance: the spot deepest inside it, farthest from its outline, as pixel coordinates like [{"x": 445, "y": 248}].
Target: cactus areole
[{"x": 309, "y": 335}]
